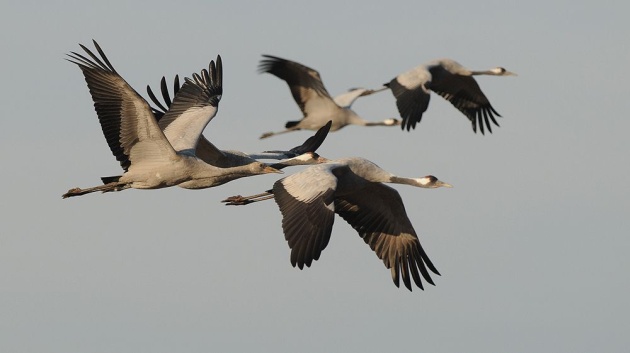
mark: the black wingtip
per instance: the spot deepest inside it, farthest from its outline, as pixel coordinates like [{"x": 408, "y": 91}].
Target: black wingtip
[
  {"x": 176, "y": 85},
  {"x": 163, "y": 108},
  {"x": 314, "y": 142},
  {"x": 165, "y": 95},
  {"x": 267, "y": 64},
  {"x": 219, "y": 67},
  {"x": 154, "y": 99},
  {"x": 102, "y": 54}
]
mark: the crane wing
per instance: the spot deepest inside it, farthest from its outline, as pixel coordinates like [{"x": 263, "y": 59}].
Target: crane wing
[
  {"x": 209, "y": 153},
  {"x": 161, "y": 109},
  {"x": 412, "y": 97},
  {"x": 305, "y": 83},
  {"x": 126, "y": 119},
  {"x": 205, "y": 151},
  {"x": 377, "y": 213},
  {"x": 306, "y": 202},
  {"x": 194, "y": 105},
  {"x": 311, "y": 144},
  {"x": 464, "y": 94}
]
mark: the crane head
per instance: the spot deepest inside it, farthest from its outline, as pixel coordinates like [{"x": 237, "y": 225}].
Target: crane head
[
  {"x": 501, "y": 71},
  {"x": 432, "y": 182}
]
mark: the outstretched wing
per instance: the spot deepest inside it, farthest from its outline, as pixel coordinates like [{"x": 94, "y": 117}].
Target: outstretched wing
[
  {"x": 205, "y": 151},
  {"x": 310, "y": 145},
  {"x": 162, "y": 109},
  {"x": 377, "y": 213},
  {"x": 194, "y": 105},
  {"x": 125, "y": 117},
  {"x": 305, "y": 83},
  {"x": 412, "y": 97},
  {"x": 464, "y": 94},
  {"x": 306, "y": 202}
]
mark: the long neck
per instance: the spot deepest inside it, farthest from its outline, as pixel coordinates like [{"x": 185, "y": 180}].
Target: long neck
[
  {"x": 484, "y": 72},
  {"x": 354, "y": 119},
  {"x": 419, "y": 182},
  {"x": 207, "y": 176},
  {"x": 386, "y": 122}
]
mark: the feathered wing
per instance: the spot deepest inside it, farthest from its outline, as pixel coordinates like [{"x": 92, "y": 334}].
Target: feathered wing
[
  {"x": 306, "y": 202},
  {"x": 126, "y": 119},
  {"x": 464, "y": 94},
  {"x": 205, "y": 151},
  {"x": 210, "y": 154},
  {"x": 305, "y": 83},
  {"x": 377, "y": 213},
  {"x": 411, "y": 100},
  {"x": 162, "y": 109},
  {"x": 194, "y": 105},
  {"x": 312, "y": 143}
]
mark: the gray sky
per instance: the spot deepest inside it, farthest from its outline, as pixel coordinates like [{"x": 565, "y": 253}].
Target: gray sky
[{"x": 531, "y": 242}]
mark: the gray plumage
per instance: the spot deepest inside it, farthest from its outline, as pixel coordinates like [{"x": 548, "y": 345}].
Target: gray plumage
[
  {"x": 148, "y": 158},
  {"x": 315, "y": 102},
  {"x": 210, "y": 154},
  {"x": 450, "y": 80},
  {"x": 353, "y": 188}
]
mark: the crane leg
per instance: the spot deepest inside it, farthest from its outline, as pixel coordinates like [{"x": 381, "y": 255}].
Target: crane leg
[
  {"x": 239, "y": 200},
  {"x": 114, "y": 186}
]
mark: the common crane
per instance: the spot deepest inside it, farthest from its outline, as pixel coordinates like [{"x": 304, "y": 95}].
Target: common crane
[
  {"x": 209, "y": 153},
  {"x": 315, "y": 102},
  {"x": 450, "y": 80},
  {"x": 152, "y": 158},
  {"x": 353, "y": 188}
]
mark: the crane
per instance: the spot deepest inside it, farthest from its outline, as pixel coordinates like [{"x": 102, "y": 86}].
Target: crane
[
  {"x": 450, "y": 80},
  {"x": 209, "y": 153},
  {"x": 315, "y": 102},
  {"x": 149, "y": 159},
  {"x": 352, "y": 188}
]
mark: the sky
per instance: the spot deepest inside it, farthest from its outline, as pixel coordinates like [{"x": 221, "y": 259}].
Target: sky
[{"x": 531, "y": 242}]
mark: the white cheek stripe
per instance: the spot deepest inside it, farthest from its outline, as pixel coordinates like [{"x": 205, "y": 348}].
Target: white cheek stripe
[{"x": 423, "y": 181}]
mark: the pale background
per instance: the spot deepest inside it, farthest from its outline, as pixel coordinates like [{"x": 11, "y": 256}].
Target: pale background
[{"x": 532, "y": 242}]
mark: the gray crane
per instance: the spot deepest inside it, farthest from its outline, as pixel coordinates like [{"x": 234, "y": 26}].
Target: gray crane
[
  {"x": 209, "y": 153},
  {"x": 353, "y": 188},
  {"x": 450, "y": 80},
  {"x": 315, "y": 102},
  {"x": 152, "y": 158}
]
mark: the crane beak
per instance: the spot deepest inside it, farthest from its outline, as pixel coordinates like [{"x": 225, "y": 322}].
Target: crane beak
[
  {"x": 443, "y": 184},
  {"x": 508, "y": 73},
  {"x": 269, "y": 169}
]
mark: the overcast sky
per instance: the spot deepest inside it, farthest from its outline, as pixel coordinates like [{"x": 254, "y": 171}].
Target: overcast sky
[{"x": 532, "y": 242}]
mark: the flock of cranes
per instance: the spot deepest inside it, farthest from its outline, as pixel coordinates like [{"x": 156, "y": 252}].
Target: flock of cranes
[
  {"x": 163, "y": 145},
  {"x": 411, "y": 89}
]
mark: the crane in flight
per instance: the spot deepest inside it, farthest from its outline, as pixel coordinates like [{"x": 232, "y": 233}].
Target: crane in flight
[
  {"x": 156, "y": 155},
  {"x": 315, "y": 102},
  {"x": 450, "y": 80},
  {"x": 352, "y": 188}
]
